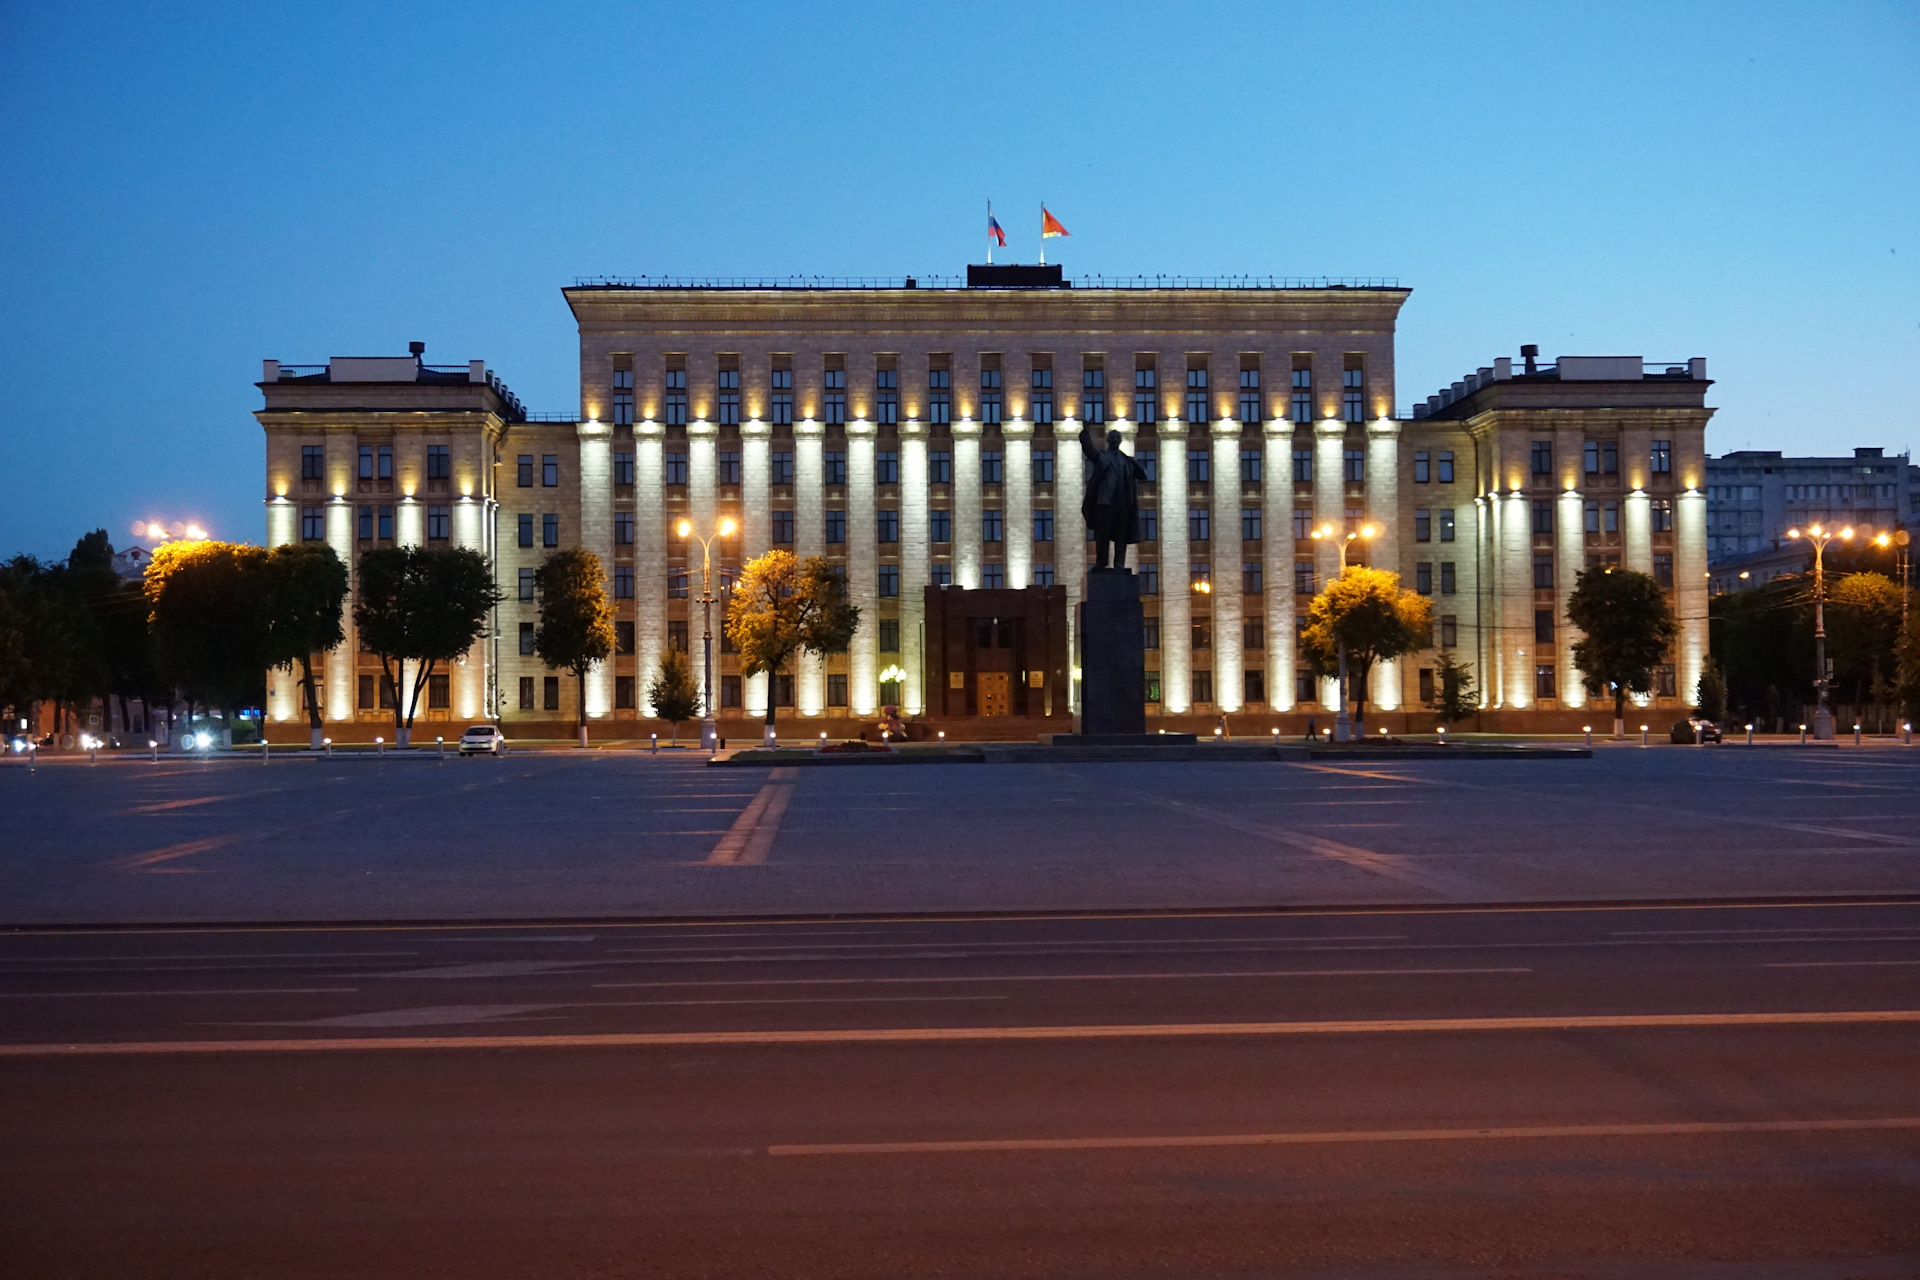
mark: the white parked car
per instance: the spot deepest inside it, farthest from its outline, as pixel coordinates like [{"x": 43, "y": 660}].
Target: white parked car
[{"x": 483, "y": 737}]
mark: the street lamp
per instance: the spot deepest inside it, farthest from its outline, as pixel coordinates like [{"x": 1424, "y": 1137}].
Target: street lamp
[
  {"x": 1342, "y": 726},
  {"x": 709, "y": 732},
  {"x": 1899, "y": 538},
  {"x": 1819, "y": 537}
]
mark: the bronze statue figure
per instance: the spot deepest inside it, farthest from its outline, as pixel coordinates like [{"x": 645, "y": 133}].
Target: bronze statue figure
[{"x": 1112, "y": 502}]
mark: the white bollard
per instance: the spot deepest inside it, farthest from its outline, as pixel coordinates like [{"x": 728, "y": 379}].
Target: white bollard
[
  {"x": 441, "y": 744},
  {"x": 1856, "y": 733},
  {"x": 1803, "y": 735},
  {"x": 153, "y": 750},
  {"x": 655, "y": 738},
  {"x": 1643, "y": 735},
  {"x": 266, "y": 751},
  {"x": 1587, "y": 731},
  {"x": 380, "y": 746},
  {"x": 1749, "y": 735}
]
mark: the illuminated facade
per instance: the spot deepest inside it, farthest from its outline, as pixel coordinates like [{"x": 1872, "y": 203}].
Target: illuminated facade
[{"x": 925, "y": 435}]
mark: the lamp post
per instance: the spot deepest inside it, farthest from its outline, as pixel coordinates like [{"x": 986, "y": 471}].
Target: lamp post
[
  {"x": 1899, "y": 538},
  {"x": 709, "y": 732},
  {"x": 1342, "y": 725},
  {"x": 1820, "y": 537}
]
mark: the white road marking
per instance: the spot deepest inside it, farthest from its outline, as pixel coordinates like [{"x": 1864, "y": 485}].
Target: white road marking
[
  {"x": 1832, "y": 964},
  {"x": 1062, "y": 977},
  {"x": 750, "y": 839},
  {"x": 1315, "y": 1138},
  {"x": 951, "y": 1035},
  {"x": 1060, "y": 945}
]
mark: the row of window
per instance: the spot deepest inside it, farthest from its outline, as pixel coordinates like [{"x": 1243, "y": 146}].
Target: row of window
[
  {"x": 376, "y": 463},
  {"x": 376, "y": 523},
  {"x": 1602, "y": 457}
]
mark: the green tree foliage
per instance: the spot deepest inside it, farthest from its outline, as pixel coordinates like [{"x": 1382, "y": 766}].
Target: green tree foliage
[
  {"x": 422, "y": 605},
  {"x": 1763, "y": 643},
  {"x": 1628, "y": 627},
  {"x": 1863, "y": 628},
  {"x": 48, "y": 646},
  {"x": 576, "y": 618},
  {"x": 674, "y": 692},
  {"x": 782, "y": 605},
  {"x": 303, "y": 585},
  {"x": 1906, "y": 682},
  {"x": 1365, "y": 610},
  {"x": 1454, "y": 697},
  {"x": 1711, "y": 698},
  {"x": 208, "y": 620}
]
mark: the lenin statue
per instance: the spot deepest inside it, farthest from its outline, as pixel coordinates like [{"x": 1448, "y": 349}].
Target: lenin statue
[{"x": 1111, "y": 506}]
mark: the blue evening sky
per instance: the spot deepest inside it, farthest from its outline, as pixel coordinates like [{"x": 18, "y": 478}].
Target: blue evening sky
[{"x": 185, "y": 189}]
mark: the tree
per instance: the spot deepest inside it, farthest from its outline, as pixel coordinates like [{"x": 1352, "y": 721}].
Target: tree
[
  {"x": 207, "y": 619},
  {"x": 1366, "y": 611},
  {"x": 675, "y": 694},
  {"x": 1711, "y": 701},
  {"x": 1628, "y": 626},
  {"x": 304, "y": 585},
  {"x": 1763, "y": 644},
  {"x": 1906, "y": 684},
  {"x": 1453, "y": 692},
  {"x": 421, "y": 605},
  {"x": 576, "y": 621},
  {"x": 781, "y": 606},
  {"x": 1863, "y": 628}
]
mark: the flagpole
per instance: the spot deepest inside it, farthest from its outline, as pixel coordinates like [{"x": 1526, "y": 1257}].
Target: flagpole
[
  {"x": 1043, "y": 233},
  {"x": 989, "y": 233}
]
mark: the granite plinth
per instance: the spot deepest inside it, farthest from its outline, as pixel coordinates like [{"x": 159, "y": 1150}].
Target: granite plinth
[{"x": 1113, "y": 665}]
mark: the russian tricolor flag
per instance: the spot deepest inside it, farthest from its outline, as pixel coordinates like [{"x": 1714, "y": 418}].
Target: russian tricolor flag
[{"x": 994, "y": 231}]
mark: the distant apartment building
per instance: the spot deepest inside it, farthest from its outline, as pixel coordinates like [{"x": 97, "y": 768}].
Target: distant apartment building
[
  {"x": 1755, "y": 495},
  {"x": 924, "y": 436}
]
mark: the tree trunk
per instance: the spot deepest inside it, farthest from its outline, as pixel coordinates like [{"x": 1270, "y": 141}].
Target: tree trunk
[
  {"x": 1619, "y": 713},
  {"x": 314, "y": 730},
  {"x": 581, "y": 677},
  {"x": 768, "y": 737}
]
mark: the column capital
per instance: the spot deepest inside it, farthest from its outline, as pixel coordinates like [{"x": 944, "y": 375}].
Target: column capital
[
  {"x": 650, "y": 428},
  {"x": 1383, "y": 429},
  {"x": 1329, "y": 428},
  {"x": 1226, "y": 429},
  {"x": 700, "y": 428},
  {"x": 754, "y": 429},
  {"x": 861, "y": 427},
  {"x": 967, "y": 427},
  {"x": 592, "y": 427},
  {"x": 913, "y": 429},
  {"x": 1016, "y": 428},
  {"x": 1278, "y": 428},
  {"x": 808, "y": 427}
]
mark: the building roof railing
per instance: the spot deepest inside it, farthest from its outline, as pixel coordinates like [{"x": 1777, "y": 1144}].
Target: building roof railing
[{"x": 959, "y": 282}]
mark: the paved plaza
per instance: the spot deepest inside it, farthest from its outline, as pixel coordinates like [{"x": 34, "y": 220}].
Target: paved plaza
[{"x": 597, "y": 834}]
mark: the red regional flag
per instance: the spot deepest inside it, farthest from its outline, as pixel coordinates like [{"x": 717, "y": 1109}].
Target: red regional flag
[{"x": 1050, "y": 225}]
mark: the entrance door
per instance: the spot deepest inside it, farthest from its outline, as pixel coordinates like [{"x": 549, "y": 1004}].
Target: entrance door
[{"x": 996, "y": 693}]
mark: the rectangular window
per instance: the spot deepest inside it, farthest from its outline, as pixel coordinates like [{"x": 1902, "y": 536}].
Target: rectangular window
[
  {"x": 886, "y": 526},
  {"x": 1422, "y": 466},
  {"x": 834, "y": 466},
  {"x": 439, "y": 692},
  {"x": 526, "y": 639},
  {"x": 549, "y": 470},
  {"x": 1303, "y": 577},
  {"x": 1426, "y": 685},
  {"x": 526, "y": 584},
  {"x": 366, "y": 463},
  {"x": 1149, "y": 463},
  {"x": 439, "y": 464},
  {"x": 939, "y": 395},
  {"x": 1543, "y": 682},
  {"x": 886, "y": 467},
  {"x": 940, "y": 525},
  {"x": 1149, "y": 525},
  {"x": 1199, "y": 525},
  {"x": 1610, "y": 517},
  {"x": 729, "y": 405},
  {"x": 1252, "y": 634},
  {"x": 1093, "y": 395},
  {"x": 1543, "y": 573},
  {"x": 384, "y": 531},
  {"x": 1662, "y": 514},
  {"x": 1448, "y": 580},
  {"x": 991, "y": 529},
  {"x": 439, "y": 523},
  {"x": 1197, "y": 395},
  {"x": 889, "y": 635},
  {"x": 1150, "y": 633},
  {"x": 366, "y": 524},
  {"x": 1303, "y": 464},
  {"x": 526, "y": 693},
  {"x": 783, "y": 690},
  {"x": 623, "y": 528},
  {"x": 1199, "y": 466},
  {"x": 1543, "y": 626},
  {"x": 1661, "y": 456},
  {"x": 1422, "y": 524},
  {"x": 993, "y": 575},
  {"x": 623, "y": 470},
  {"x": 676, "y": 468},
  {"x": 1150, "y": 578},
  {"x": 1042, "y": 403},
  {"x": 836, "y": 526},
  {"x": 783, "y": 466},
  {"x": 1543, "y": 457},
  {"x": 1356, "y": 465},
  {"x": 1043, "y": 574},
  {"x": 940, "y": 466},
  {"x": 550, "y": 693},
  {"x": 781, "y": 405},
  {"x": 1250, "y": 405},
  {"x": 1203, "y": 686},
  {"x": 1542, "y": 516},
  {"x": 1302, "y": 403},
  {"x": 1353, "y": 388},
  {"x": 1249, "y": 524},
  {"x": 1423, "y": 577},
  {"x": 1302, "y": 523},
  {"x": 1202, "y": 635},
  {"x": 623, "y": 582},
  {"x": 623, "y": 693},
  {"x": 729, "y": 466},
  {"x": 1043, "y": 466},
  {"x": 1663, "y": 680},
  {"x": 526, "y": 531},
  {"x": 889, "y": 580},
  {"x": 677, "y": 634},
  {"x": 1446, "y": 524},
  {"x": 524, "y": 471},
  {"x": 1305, "y": 688},
  {"x": 730, "y": 692},
  {"x": 549, "y": 531},
  {"x": 313, "y": 524},
  {"x": 1146, "y": 394},
  {"x": 1446, "y": 467},
  {"x": 1449, "y": 631},
  {"x": 1252, "y": 579},
  {"x": 1663, "y": 568},
  {"x": 886, "y": 397},
  {"x": 623, "y": 408},
  {"x": 992, "y": 405},
  {"x": 313, "y": 462},
  {"x": 1043, "y": 525},
  {"x": 1593, "y": 517},
  {"x": 940, "y": 574},
  {"x": 676, "y": 407},
  {"x": 1256, "y": 685},
  {"x": 992, "y": 470},
  {"x": 1153, "y": 686}
]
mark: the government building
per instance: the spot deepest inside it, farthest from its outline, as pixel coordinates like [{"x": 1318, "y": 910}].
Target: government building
[{"x": 925, "y": 435}]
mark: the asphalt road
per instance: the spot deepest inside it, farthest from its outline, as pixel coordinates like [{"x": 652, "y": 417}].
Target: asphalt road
[{"x": 1645, "y": 1092}]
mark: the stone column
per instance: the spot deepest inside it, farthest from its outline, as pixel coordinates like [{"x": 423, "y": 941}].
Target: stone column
[
  {"x": 915, "y": 565},
  {"x": 1386, "y": 690},
  {"x": 283, "y": 687},
  {"x": 1486, "y": 615},
  {"x": 649, "y": 555},
  {"x": 1176, "y": 560},
  {"x": 596, "y": 535},
  {"x": 1276, "y": 556},
  {"x": 1690, "y": 591},
  {"x": 1569, "y": 558},
  {"x": 1636, "y": 531},
  {"x": 338, "y": 704},
  {"x": 703, "y": 478},
  {"x": 1016, "y": 437},
  {"x": 1516, "y": 597},
  {"x": 756, "y": 526},
  {"x": 809, "y": 538},
  {"x": 1329, "y": 509},
  {"x": 1229, "y": 603},
  {"x": 863, "y": 570},
  {"x": 1070, "y": 535},
  {"x": 469, "y": 683},
  {"x": 966, "y": 503}
]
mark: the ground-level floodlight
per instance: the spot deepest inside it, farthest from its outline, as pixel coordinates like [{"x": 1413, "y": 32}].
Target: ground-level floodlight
[
  {"x": 1443, "y": 735},
  {"x": 441, "y": 744},
  {"x": 943, "y": 735},
  {"x": 655, "y": 739},
  {"x": 1906, "y": 733},
  {"x": 380, "y": 744},
  {"x": 1803, "y": 735},
  {"x": 326, "y": 744},
  {"x": 1643, "y": 735},
  {"x": 1856, "y": 733},
  {"x": 153, "y": 750},
  {"x": 266, "y": 751},
  {"x": 1587, "y": 729},
  {"x": 1749, "y": 734}
]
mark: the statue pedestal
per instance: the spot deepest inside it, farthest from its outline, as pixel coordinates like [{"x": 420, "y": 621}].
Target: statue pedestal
[{"x": 1113, "y": 665}]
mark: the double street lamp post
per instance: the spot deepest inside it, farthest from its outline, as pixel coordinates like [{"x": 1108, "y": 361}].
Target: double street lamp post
[
  {"x": 1342, "y": 724},
  {"x": 1820, "y": 537},
  {"x": 709, "y": 731}
]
